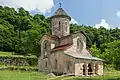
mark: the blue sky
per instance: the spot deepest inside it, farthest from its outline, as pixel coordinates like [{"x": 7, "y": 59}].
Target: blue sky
[
  {"x": 91, "y": 12},
  {"x": 88, "y": 12}
]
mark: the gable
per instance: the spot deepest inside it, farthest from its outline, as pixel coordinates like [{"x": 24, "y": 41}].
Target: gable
[{"x": 73, "y": 50}]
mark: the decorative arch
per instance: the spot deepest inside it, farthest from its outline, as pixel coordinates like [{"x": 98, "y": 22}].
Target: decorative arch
[
  {"x": 84, "y": 69},
  {"x": 45, "y": 44},
  {"x": 46, "y": 48},
  {"x": 96, "y": 69},
  {"x": 79, "y": 44},
  {"x": 90, "y": 68}
]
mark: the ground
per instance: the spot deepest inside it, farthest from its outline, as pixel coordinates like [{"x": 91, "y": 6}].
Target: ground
[
  {"x": 21, "y": 75},
  {"x": 34, "y": 75}
]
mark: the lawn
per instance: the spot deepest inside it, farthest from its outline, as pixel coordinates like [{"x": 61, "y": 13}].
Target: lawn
[
  {"x": 17, "y": 74},
  {"x": 21, "y": 75},
  {"x": 33, "y": 75},
  {"x": 12, "y": 54}
]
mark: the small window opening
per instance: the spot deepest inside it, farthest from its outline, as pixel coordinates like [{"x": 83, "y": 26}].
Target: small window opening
[
  {"x": 68, "y": 66},
  {"x": 55, "y": 64},
  {"x": 59, "y": 25},
  {"x": 45, "y": 46},
  {"x": 45, "y": 63},
  {"x": 66, "y": 26}
]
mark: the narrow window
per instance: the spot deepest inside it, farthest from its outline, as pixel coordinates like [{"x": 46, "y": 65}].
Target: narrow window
[
  {"x": 45, "y": 45},
  {"x": 55, "y": 64},
  {"x": 53, "y": 26},
  {"x": 84, "y": 69},
  {"x": 68, "y": 66},
  {"x": 59, "y": 25},
  {"x": 66, "y": 26},
  {"x": 79, "y": 45},
  {"x": 46, "y": 64},
  {"x": 96, "y": 68}
]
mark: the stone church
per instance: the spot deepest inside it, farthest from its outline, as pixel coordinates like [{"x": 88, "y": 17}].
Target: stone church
[{"x": 65, "y": 53}]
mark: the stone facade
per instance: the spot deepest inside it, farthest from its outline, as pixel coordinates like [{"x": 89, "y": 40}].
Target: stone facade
[
  {"x": 60, "y": 23},
  {"x": 65, "y": 53},
  {"x": 60, "y": 27}
]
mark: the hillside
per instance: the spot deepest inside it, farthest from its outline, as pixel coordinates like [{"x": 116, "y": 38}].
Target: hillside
[{"x": 20, "y": 33}]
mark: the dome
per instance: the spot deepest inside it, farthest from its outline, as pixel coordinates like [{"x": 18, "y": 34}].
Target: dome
[{"x": 60, "y": 13}]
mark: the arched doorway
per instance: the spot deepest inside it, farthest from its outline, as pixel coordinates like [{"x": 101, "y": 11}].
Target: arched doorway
[
  {"x": 83, "y": 69},
  {"x": 96, "y": 69},
  {"x": 90, "y": 71}
]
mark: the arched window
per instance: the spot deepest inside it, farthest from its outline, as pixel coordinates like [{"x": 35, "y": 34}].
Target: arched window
[
  {"x": 96, "y": 68},
  {"x": 46, "y": 64},
  {"x": 68, "y": 66},
  {"x": 79, "y": 45},
  {"x": 45, "y": 46},
  {"x": 90, "y": 71},
  {"x": 59, "y": 25},
  {"x": 66, "y": 26},
  {"x": 55, "y": 64},
  {"x": 83, "y": 69}
]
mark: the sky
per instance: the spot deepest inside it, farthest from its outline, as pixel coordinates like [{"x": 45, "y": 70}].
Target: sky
[{"x": 94, "y": 13}]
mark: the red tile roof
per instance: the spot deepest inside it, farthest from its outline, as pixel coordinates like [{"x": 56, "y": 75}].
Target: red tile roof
[{"x": 61, "y": 47}]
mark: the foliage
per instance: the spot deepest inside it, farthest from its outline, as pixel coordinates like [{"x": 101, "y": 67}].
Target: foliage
[
  {"x": 20, "y": 33},
  {"x": 111, "y": 53}
]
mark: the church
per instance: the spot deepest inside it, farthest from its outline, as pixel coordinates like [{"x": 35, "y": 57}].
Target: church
[{"x": 65, "y": 53}]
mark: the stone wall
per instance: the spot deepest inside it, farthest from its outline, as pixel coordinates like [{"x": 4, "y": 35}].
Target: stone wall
[
  {"x": 18, "y": 61},
  {"x": 75, "y": 65},
  {"x": 60, "y": 27}
]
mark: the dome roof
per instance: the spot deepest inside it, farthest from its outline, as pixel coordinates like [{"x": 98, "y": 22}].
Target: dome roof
[{"x": 60, "y": 13}]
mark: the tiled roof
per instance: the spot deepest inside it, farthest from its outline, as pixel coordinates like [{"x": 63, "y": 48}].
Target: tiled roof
[
  {"x": 84, "y": 57},
  {"x": 61, "y": 47},
  {"x": 60, "y": 11}
]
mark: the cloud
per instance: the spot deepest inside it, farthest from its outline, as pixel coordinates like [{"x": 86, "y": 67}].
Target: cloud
[
  {"x": 73, "y": 21},
  {"x": 43, "y": 6},
  {"x": 118, "y": 13},
  {"x": 103, "y": 24}
]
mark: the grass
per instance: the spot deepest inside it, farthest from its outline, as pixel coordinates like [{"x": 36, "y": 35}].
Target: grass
[
  {"x": 6, "y": 53},
  {"x": 33, "y": 75},
  {"x": 11, "y": 54},
  {"x": 21, "y": 75}
]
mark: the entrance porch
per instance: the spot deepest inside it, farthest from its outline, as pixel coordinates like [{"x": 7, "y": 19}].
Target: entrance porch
[{"x": 87, "y": 69}]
